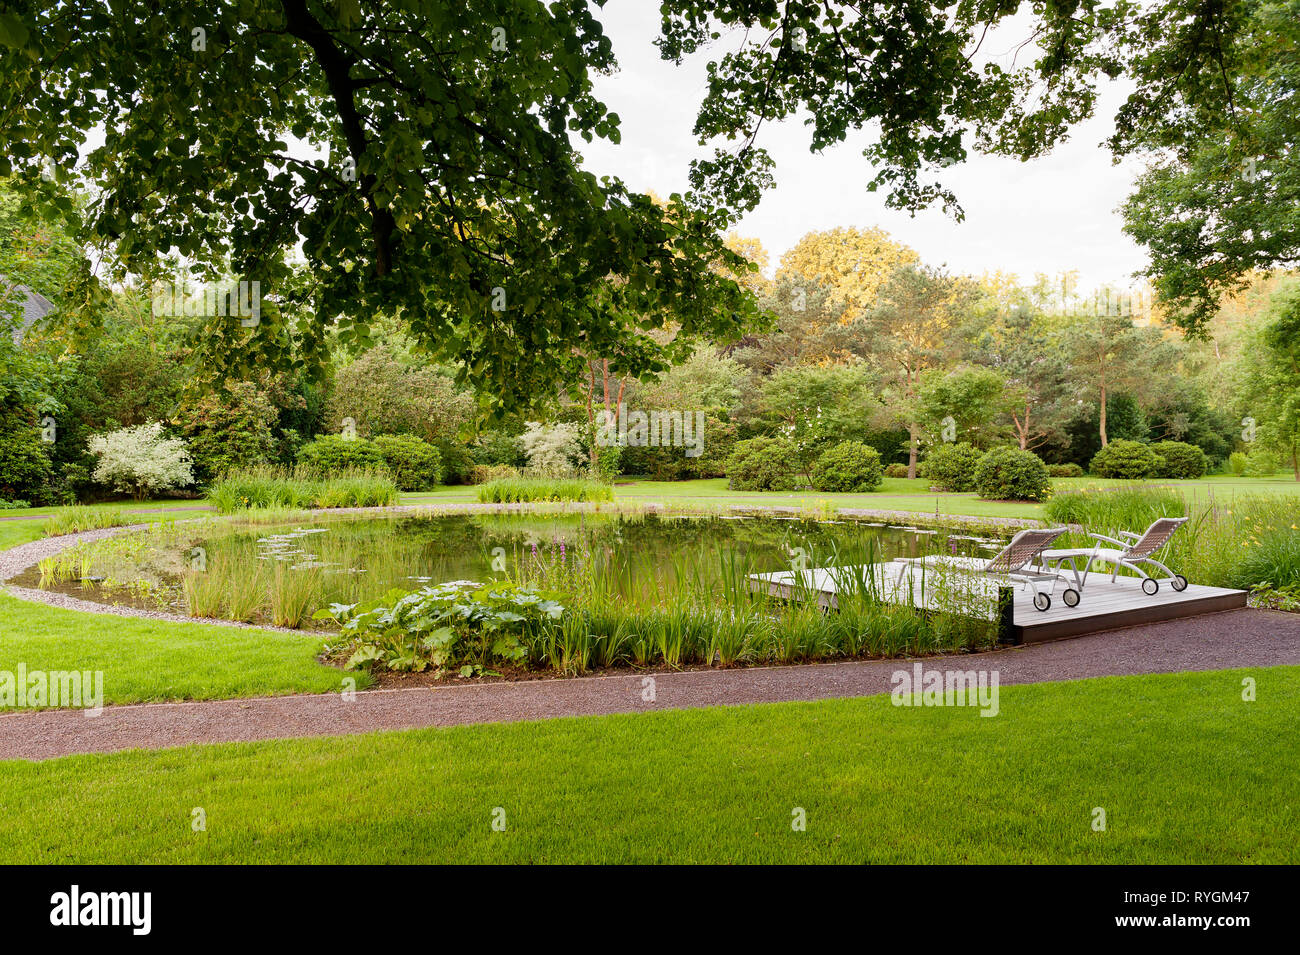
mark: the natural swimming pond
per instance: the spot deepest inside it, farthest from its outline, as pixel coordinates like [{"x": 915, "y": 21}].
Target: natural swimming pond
[{"x": 282, "y": 573}]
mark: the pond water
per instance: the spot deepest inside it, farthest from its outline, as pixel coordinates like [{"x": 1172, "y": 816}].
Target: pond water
[{"x": 244, "y": 571}]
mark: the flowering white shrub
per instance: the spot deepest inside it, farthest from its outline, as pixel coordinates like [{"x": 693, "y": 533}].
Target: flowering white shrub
[
  {"x": 552, "y": 447},
  {"x": 141, "y": 461}
]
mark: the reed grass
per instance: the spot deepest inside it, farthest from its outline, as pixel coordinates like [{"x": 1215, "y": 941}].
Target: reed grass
[
  {"x": 277, "y": 488},
  {"x": 204, "y": 594},
  {"x": 295, "y": 595},
  {"x": 1109, "y": 509},
  {"x": 74, "y": 520},
  {"x": 529, "y": 489}
]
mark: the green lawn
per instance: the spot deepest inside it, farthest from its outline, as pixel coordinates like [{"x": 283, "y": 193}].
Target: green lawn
[
  {"x": 152, "y": 660},
  {"x": 896, "y": 494},
  {"x": 177, "y": 504},
  {"x": 13, "y": 533},
  {"x": 1185, "y": 770}
]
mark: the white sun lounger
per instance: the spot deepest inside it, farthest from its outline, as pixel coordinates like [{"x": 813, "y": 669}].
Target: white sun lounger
[
  {"x": 1134, "y": 550},
  {"x": 1130, "y": 551},
  {"x": 1014, "y": 562}
]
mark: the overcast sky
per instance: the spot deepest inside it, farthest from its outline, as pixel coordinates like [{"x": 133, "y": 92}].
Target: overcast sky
[{"x": 1053, "y": 214}]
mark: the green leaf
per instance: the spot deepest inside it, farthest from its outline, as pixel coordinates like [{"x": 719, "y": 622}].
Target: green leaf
[{"x": 13, "y": 33}]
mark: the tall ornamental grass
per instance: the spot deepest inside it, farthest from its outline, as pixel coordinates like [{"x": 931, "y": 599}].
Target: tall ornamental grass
[
  {"x": 74, "y": 520},
  {"x": 1246, "y": 542},
  {"x": 523, "y": 490},
  {"x": 1131, "y": 507},
  {"x": 300, "y": 488}
]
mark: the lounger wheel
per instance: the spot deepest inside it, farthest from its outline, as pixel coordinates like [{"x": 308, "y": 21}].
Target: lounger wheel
[
  {"x": 1071, "y": 597},
  {"x": 1150, "y": 585},
  {"x": 1179, "y": 582},
  {"x": 1042, "y": 601}
]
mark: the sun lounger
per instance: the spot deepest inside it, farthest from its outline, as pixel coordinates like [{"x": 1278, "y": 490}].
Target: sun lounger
[
  {"x": 1014, "y": 562},
  {"x": 1133, "y": 550}
]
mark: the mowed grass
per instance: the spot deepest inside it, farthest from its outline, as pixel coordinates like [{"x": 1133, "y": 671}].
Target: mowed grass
[
  {"x": 156, "y": 660},
  {"x": 13, "y": 533},
  {"x": 1185, "y": 770},
  {"x": 895, "y": 494}
]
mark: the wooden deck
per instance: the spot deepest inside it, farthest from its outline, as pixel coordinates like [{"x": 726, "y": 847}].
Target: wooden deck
[{"x": 1104, "y": 605}]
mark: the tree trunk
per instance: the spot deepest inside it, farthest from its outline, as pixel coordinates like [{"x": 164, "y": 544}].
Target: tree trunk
[
  {"x": 1103, "y": 414},
  {"x": 591, "y": 419},
  {"x": 1023, "y": 432},
  {"x": 911, "y": 428}
]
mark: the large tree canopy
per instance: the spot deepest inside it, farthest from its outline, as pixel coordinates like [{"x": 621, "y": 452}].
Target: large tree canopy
[
  {"x": 1212, "y": 108},
  {"x": 1222, "y": 198},
  {"x": 446, "y": 189}
]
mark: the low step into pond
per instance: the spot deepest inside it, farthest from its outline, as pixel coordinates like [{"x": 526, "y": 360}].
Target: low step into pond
[{"x": 1105, "y": 604}]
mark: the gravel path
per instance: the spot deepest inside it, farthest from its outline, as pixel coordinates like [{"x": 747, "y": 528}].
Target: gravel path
[{"x": 1237, "y": 638}]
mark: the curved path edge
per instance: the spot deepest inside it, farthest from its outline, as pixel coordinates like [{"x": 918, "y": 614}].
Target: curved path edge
[{"x": 1229, "y": 640}]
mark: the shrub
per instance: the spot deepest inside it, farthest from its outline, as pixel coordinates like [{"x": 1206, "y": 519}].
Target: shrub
[
  {"x": 496, "y": 447},
  {"x": 230, "y": 430},
  {"x": 1179, "y": 460},
  {"x": 717, "y": 439},
  {"x": 552, "y": 447},
  {"x": 483, "y": 473},
  {"x": 522, "y": 490},
  {"x": 1129, "y": 460},
  {"x": 763, "y": 464},
  {"x": 951, "y": 467},
  {"x": 1260, "y": 463},
  {"x": 414, "y": 464},
  {"x": 331, "y": 454},
  {"x": 25, "y": 470},
  {"x": 1237, "y": 462},
  {"x": 848, "y": 467},
  {"x": 388, "y": 391},
  {"x": 1009, "y": 474},
  {"x": 609, "y": 464},
  {"x": 896, "y": 471},
  {"x": 1064, "y": 470},
  {"x": 141, "y": 461}
]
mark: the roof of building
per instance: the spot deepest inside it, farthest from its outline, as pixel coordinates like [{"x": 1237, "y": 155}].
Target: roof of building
[{"x": 34, "y": 306}]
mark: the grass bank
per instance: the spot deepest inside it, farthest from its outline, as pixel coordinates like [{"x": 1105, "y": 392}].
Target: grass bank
[
  {"x": 157, "y": 660},
  {"x": 1186, "y": 771}
]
